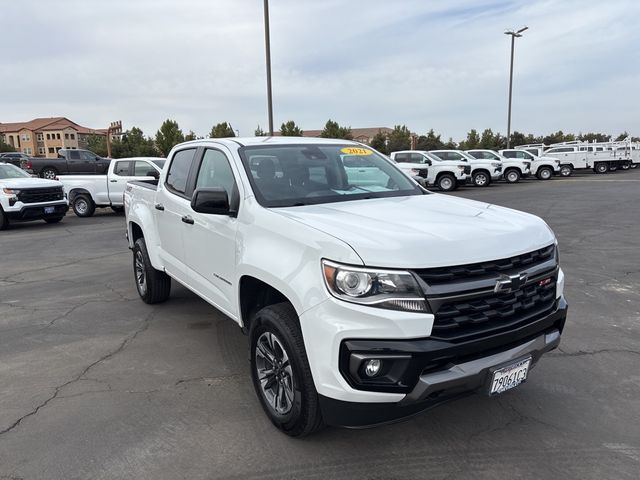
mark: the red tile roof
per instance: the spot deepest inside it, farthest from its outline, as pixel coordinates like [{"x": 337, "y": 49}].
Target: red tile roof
[{"x": 50, "y": 123}]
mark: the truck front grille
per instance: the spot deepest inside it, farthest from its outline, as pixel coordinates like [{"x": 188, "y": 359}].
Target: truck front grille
[
  {"x": 490, "y": 312},
  {"x": 39, "y": 195},
  {"x": 465, "y": 303},
  {"x": 467, "y": 169}
]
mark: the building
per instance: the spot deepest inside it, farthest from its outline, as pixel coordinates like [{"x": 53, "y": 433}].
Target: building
[
  {"x": 43, "y": 137},
  {"x": 363, "y": 135}
]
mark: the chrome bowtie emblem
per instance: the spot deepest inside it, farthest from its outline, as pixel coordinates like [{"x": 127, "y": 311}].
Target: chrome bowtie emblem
[{"x": 510, "y": 283}]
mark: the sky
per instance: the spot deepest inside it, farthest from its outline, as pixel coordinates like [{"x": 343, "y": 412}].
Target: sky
[{"x": 364, "y": 63}]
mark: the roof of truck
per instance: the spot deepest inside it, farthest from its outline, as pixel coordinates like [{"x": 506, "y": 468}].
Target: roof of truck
[{"x": 251, "y": 141}]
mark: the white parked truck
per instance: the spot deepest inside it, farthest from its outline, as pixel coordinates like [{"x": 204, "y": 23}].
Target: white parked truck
[
  {"x": 364, "y": 302},
  {"x": 24, "y": 198},
  {"x": 601, "y": 157},
  {"x": 483, "y": 171},
  {"x": 544, "y": 168},
  {"x": 513, "y": 169},
  {"x": 444, "y": 174},
  {"x": 87, "y": 192}
]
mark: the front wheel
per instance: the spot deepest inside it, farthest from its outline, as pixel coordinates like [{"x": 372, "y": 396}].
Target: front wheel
[
  {"x": 446, "y": 182},
  {"x": 601, "y": 167},
  {"x": 481, "y": 179},
  {"x": 153, "y": 285},
  {"x": 53, "y": 220},
  {"x": 83, "y": 205},
  {"x": 512, "y": 176},
  {"x": 280, "y": 371},
  {"x": 566, "y": 171},
  {"x": 49, "y": 173},
  {"x": 544, "y": 173}
]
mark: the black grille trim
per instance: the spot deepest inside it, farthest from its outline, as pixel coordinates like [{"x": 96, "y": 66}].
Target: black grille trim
[
  {"x": 40, "y": 195},
  {"x": 467, "y": 169}
]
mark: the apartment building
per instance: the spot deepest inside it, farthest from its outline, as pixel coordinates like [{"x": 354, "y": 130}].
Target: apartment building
[
  {"x": 363, "y": 135},
  {"x": 43, "y": 137}
]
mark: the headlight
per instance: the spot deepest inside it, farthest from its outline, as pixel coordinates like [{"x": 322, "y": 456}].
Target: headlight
[
  {"x": 392, "y": 289},
  {"x": 415, "y": 171},
  {"x": 495, "y": 164},
  {"x": 558, "y": 162},
  {"x": 461, "y": 167},
  {"x": 11, "y": 191}
]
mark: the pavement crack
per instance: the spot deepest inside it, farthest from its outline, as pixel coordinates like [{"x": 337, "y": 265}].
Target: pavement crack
[
  {"x": 582, "y": 353},
  {"x": 58, "y": 389}
]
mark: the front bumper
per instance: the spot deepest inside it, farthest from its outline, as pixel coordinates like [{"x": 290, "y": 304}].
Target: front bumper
[
  {"x": 444, "y": 371},
  {"x": 31, "y": 212}
]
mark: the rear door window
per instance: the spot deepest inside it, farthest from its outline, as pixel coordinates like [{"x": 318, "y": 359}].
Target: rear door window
[{"x": 179, "y": 169}]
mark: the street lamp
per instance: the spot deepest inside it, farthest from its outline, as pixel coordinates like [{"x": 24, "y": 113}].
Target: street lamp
[
  {"x": 513, "y": 39},
  {"x": 267, "y": 45}
]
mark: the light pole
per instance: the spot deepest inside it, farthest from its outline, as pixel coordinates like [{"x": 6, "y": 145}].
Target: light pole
[
  {"x": 513, "y": 41},
  {"x": 267, "y": 45}
]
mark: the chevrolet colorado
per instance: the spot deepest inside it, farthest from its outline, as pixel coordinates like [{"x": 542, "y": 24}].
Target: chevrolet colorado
[{"x": 364, "y": 302}]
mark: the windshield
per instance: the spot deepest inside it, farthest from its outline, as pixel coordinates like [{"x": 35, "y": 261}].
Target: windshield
[
  {"x": 294, "y": 175},
  {"x": 11, "y": 171}
]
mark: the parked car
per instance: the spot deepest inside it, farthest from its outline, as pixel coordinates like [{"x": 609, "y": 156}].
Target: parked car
[
  {"x": 444, "y": 174},
  {"x": 363, "y": 303},
  {"x": 483, "y": 172},
  {"x": 86, "y": 192},
  {"x": 513, "y": 169},
  {"x": 24, "y": 198},
  {"x": 18, "y": 159},
  {"x": 69, "y": 161},
  {"x": 542, "y": 167}
]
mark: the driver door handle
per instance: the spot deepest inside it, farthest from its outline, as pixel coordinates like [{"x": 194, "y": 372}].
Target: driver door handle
[
  {"x": 159, "y": 206},
  {"x": 113, "y": 181},
  {"x": 187, "y": 219}
]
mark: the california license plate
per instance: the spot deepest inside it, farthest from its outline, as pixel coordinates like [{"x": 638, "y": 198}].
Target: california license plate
[
  {"x": 510, "y": 376},
  {"x": 49, "y": 209}
]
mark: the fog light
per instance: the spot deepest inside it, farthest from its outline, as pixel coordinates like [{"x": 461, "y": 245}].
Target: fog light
[{"x": 372, "y": 367}]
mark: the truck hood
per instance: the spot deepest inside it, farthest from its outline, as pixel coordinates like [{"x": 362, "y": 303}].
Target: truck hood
[
  {"x": 425, "y": 231},
  {"x": 29, "y": 183}
]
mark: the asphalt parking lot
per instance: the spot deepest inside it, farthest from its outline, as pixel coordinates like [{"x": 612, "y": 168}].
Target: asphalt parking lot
[{"x": 96, "y": 384}]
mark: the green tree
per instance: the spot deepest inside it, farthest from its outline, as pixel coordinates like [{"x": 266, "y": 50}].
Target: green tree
[
  {"x": 472, "y": 141},
  {"x": 596, "y": 137},
  {"x": 222, "y": 130},
  {"x": 333, "y": 130},
  {"x": 258, "y": 132},
  {"x": 399, "y": 139},
  {"x": 190, "y": 136},
  {"x": 5, "y": 147},
  {"x": 97, "y": 144},
  {"x": 379, "y": 142},
  {"x": 290, "y": 129},
  {"x": 430, "y": 141},
  {"x": 133, "y": 144},
  {"x": 558, "y": 137},
  {"x": 451, "y": 145},
  {"x": 168, "y": 136},
  {"x": 620, "y": 137}
]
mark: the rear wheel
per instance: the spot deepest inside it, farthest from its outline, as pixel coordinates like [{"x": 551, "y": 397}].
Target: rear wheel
[
  {"x": 601, "y": 167},
  {"x": 153, "y": 285},
  {"x": 53, "y": 220},
  {"x": 49, "y": 173},
  {"x": 280, "y": 371},
  {"x": 566, "y": 171},
  {"x": 481, "y": 179},
  {"x": 83, "y": 205},
  {"x": 512, "y": 176},
  {"x": 544, "y": 173},
  {"x": 625, "y": 166},
  {"x": 446, "y": 182},
  {"x": 613, "y": 167}
]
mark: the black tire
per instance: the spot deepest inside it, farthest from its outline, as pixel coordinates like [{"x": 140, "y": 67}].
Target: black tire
[
  {"x": 566, "y": 170},
  {"x": 512, "y": 175},
  {"x": 481, "y": 179},
  {"x": 117, "y": 209},
  {"x": 601, "y": 167},
  {"x": 633, "y": 166},
  {"x": 4, "y": 223},
  {"x": 53, "y": 220},
  {"x": 83, "y": 205},
  {"x": 49, "y": 173},
  {"x": 153, "y": 285},
  {"x": 625, "y": 165},
  {"x": 446, "y": 182},
  {"x": 544, "y": 173},
  {"x": 300, "y": 410},
  {"x": 613, "y": 167}
]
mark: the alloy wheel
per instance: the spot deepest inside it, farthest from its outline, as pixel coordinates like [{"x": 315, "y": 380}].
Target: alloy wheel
[
  {"x": 274, "y": 373},
  {"x": 141, "y": 277}
]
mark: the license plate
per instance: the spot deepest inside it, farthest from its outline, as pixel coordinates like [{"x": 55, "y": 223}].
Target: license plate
[
  {"x": 510, "y": 376},
  {"x": 49, "y": 209}
]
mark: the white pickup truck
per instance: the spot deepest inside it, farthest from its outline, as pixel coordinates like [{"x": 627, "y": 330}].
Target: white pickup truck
[
  {"x": 87, "y": 192},
  {"x": 513, "y": 169},
  {"x": 483, "y": 171},
  {"x": 541, "y": 166},
  {"x": 24, "y": 198},
  {"x": 363, "y": 304},
  {"x": 444, "y": 174}
]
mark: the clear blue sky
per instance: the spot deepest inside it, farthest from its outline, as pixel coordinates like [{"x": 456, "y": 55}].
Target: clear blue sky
[{"x": 435, "y": 64}]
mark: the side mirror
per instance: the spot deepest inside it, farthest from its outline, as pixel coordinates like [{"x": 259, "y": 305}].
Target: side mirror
[
  {"x": 428, "y": 162},
  {"x": 153, "y": 173},
  {"x": 213, "y": 201}
]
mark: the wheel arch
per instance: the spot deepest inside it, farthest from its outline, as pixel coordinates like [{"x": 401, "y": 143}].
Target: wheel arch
[
  {"x": 75, "y": 191},
  {"x": 254, "y": 294}
]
